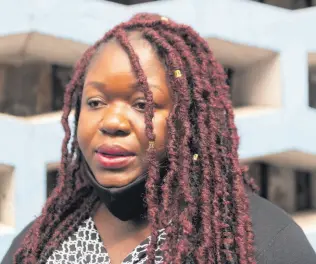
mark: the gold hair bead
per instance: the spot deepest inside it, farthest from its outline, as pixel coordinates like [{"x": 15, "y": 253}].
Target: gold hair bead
[
  {"x": 164, "y": 19},
  {"x": 177, "y": 73},
  {"x": 195, "y": 157},
  {"x": 151, "y": 144}
]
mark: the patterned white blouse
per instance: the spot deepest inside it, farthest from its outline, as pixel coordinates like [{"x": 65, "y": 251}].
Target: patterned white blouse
[{"x": 85, "y": 246}]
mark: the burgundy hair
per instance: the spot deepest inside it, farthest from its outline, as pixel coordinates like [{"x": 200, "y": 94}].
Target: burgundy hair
[{"x": 202, "y": 204}]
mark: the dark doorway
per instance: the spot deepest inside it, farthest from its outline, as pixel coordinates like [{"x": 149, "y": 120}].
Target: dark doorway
[
  {"x": 230, "y": 72},
  {"x": 131, "y": 2},
  {"x": 51, "y": 181},
  {"x": 264, "y": 180},
  {"x": 61, "y": 75},
  {"x": 303, "y": 191}
]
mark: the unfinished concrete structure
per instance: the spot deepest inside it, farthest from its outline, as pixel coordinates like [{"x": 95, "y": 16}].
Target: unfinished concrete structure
[{"x": 271, "y": 53}]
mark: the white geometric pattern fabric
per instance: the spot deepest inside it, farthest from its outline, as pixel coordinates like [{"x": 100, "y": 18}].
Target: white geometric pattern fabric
[{"x": 85, "y": 246}]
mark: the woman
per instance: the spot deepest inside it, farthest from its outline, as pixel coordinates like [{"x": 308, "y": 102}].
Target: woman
[{"x": 152, "y": 174}]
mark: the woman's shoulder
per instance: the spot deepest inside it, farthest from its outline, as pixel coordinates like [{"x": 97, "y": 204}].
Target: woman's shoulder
[
  {"x": 278, "y": 239},
  {"x": 17, "y": 241}
]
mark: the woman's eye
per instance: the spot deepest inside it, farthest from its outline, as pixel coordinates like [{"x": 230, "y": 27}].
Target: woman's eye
[
  {"x": 140, "y": 106},
  {"x": 94, "y": 104}
]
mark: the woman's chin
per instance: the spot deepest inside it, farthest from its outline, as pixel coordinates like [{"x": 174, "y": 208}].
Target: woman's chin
[{"x": 119, "y": 179}]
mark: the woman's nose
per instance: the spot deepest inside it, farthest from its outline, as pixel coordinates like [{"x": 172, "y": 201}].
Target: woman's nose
[{"x": 115, "y": 122}]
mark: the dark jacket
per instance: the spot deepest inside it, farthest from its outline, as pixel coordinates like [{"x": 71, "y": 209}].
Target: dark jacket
[{"x": 278, "y": 239}]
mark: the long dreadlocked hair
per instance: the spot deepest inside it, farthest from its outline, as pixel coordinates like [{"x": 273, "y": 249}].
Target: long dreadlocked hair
[{"x": 205, "y": 200}]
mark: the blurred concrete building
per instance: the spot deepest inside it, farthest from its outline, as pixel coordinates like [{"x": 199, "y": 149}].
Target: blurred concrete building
[{"x": 267, "y": 48}]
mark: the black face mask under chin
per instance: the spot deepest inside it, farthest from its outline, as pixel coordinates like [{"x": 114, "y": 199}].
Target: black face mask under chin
[{"x": 125, "y": 203}]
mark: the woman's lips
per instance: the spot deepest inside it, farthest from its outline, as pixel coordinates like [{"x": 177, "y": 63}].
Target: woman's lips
[
  {"x": 114, "y": 161},
  {"x": 114, "y": 156}
]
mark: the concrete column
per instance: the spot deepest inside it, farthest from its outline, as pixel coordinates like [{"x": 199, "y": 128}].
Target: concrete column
[
  {"x": 293, "y": 61},
  {"x": 281, "y": 188}
]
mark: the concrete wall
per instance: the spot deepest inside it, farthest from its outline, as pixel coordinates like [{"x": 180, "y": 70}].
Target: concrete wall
[
  {"x": 277, "y": 121},
  {"x": 258, "y": 84}
]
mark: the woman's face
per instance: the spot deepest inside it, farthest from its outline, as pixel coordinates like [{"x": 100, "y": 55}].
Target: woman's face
[{"x": 111, "y": 128}]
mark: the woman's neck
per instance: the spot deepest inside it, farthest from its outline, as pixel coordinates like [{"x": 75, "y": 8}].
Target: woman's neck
[
  {"x": 119, "y": 238},
  {"x": 115, "y": 229}
]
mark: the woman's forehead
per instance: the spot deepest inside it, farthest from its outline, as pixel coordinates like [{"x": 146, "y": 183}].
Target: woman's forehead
[{"x": 111, "y": 58}]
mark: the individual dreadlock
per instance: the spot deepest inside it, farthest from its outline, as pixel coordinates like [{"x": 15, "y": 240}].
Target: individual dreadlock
[{"x": 202, "y": 204}]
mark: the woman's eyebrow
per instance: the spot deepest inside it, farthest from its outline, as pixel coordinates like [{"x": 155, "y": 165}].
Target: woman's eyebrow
[
  {"x": 102, "y": 86},
  {"x": 98, "y": 85}
]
